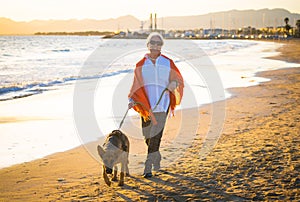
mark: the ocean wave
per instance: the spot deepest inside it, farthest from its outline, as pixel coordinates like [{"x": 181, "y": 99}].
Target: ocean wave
[
  {"x": 6, "y": 98},
  {"x": 61, "y": 50},
  {"x": 7, "y": 55},
  {"x": 20, "y": 91},
  {"x": 5, "y": 90}
]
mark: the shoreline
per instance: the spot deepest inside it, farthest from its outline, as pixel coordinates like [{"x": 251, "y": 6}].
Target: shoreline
[
  {"x": 289, "y": 53},
  {"x": 223, "y": 175}
]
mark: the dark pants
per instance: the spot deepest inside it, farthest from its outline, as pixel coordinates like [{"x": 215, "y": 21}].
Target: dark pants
[{"x": 153, "y": 135}]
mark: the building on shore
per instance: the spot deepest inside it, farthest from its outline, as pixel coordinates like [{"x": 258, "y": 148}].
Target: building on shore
[
  {"x": 142, "y": 33},
  {"x": 246, "y": 32}
]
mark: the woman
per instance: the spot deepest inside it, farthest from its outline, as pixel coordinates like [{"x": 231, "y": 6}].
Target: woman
[{"x": 157, "y": 88}]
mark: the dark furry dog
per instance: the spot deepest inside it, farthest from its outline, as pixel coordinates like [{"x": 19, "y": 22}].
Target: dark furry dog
[{"x": 115, "y": 150}]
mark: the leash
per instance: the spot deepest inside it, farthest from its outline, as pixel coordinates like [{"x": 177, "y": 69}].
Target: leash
[
  {"x": 161, "y": 95},
  {"x": 121, "y": 123}
]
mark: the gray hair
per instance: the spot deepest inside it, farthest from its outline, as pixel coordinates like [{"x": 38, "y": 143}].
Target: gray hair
[{"x": 155, "y": 34}]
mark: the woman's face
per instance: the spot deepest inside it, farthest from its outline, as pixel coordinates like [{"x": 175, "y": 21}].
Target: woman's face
[{"x": 155, "y": 44}]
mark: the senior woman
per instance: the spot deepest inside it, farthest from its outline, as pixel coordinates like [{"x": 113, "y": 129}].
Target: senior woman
[{"x": 157, "y": 88}]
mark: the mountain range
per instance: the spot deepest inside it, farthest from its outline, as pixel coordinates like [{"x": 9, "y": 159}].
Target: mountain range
[{"x": 232, "y": 19}]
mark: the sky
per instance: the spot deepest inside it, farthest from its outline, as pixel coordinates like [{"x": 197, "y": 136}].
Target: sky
[{"x": 27, "y": 10}]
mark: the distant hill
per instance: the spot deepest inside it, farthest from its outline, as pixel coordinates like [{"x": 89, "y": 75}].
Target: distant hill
[
  {"x": 8, "y": 26},
  {"x": 228, "y": 19},
  {"x": 233, "y": 19}
]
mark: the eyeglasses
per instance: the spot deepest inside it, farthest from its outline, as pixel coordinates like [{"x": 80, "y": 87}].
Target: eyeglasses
[{"x": 159, "y": 43}]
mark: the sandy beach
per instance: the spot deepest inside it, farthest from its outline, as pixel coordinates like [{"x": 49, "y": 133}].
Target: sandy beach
[{"x": 257, "y": 157}]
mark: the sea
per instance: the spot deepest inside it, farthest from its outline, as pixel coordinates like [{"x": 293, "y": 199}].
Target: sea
[
  {"x": 30, "y": 65},
  {"x": 100, "y": 72}
]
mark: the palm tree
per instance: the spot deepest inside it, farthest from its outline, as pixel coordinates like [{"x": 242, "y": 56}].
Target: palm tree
[
  {"x": 286, "y": 20},
  {"x": 298, "y": 28},
  {"x": 287, "y": 26}
]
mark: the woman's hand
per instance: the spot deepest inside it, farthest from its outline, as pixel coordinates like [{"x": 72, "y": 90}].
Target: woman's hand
[
  {"x": 131, "y": 104},
  {"x": 172, "y": 86}
]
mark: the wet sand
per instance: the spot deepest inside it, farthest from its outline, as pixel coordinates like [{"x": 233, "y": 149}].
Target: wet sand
[{"x": 256, "y": 158}]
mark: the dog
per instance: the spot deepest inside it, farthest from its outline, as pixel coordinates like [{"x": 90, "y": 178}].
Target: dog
[{"x": 115, "y": 151}]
